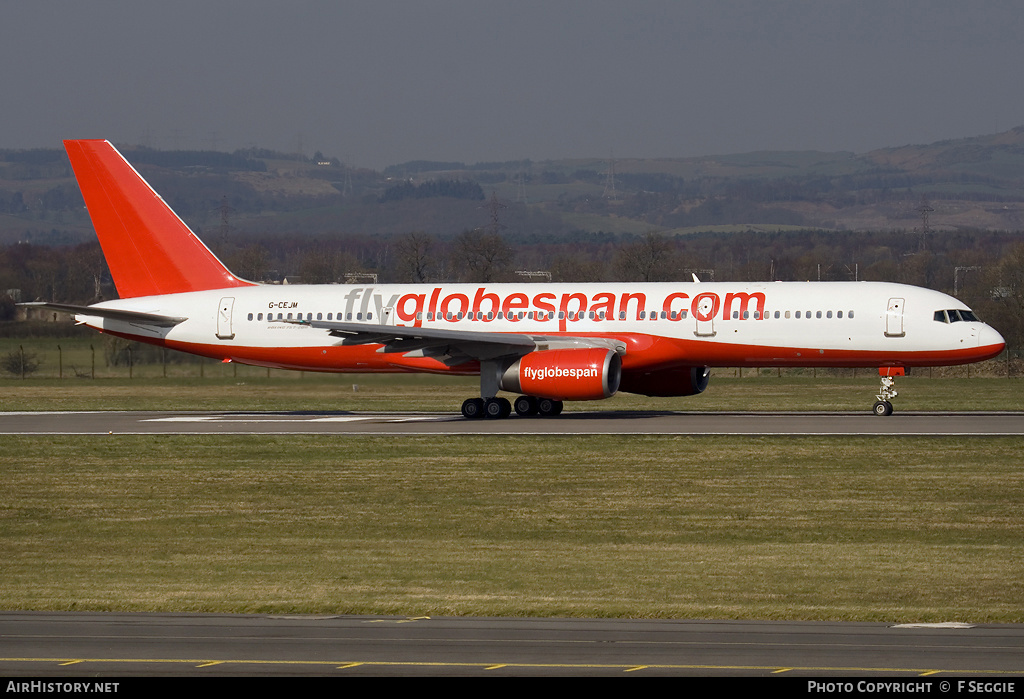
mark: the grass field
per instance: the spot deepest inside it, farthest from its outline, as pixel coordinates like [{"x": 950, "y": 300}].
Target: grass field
[{"x": 908, "y": 529}]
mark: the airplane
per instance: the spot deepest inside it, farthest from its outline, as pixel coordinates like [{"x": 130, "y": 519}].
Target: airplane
[{"x": 549, "y": 343}]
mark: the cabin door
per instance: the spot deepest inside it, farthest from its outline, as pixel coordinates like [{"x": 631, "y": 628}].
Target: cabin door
[
  {"x": 894, "y": 318},
  {"x": 224, "y": 331},
  {"x": 704, "y": 315}
]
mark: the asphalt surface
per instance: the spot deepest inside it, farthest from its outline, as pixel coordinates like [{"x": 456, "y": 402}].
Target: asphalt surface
[
  {"x": 117, "y": 644},
  {"x": 602, "y": 422}
]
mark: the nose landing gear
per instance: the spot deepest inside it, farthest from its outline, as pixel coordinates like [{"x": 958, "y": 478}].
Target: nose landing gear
[{"x": 883, "y": 406}]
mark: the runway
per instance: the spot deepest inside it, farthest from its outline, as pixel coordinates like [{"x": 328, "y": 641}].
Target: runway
[
  {"x": 119, "y": 645},
  {"x": 575, "y": 423}
]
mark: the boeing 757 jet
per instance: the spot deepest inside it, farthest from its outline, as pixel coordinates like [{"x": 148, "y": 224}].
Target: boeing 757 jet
[{"x": 545, "y": 343}]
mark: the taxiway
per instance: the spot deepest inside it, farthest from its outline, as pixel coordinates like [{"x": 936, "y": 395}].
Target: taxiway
[{"x": 598, "y": 422}]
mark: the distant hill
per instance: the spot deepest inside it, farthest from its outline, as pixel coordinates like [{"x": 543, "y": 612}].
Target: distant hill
[{"x": 971, "y": 183}]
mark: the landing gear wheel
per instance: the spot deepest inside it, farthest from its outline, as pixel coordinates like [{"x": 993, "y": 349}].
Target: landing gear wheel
[
  {"x": 885, "y": 395},
  {"x": 882, "y": 408},
  {"x": 497, "y": 408},
  {"x": 526, "y": 406},
  {"x": 549, "y": 408},
  {"x": 473, "y": 408}
]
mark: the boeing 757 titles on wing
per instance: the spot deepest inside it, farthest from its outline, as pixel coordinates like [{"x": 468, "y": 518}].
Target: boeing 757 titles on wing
[{"x": 547, "y": 342}]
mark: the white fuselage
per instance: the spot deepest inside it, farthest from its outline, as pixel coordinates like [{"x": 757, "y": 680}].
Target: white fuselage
[{"x": 660, "y": 324}]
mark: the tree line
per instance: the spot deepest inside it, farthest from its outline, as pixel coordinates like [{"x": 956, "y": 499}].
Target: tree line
[{"x": 985, "y": 269}]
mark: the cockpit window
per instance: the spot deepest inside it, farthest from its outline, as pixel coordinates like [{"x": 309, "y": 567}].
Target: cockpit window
[{"x": 955, "y": 316}]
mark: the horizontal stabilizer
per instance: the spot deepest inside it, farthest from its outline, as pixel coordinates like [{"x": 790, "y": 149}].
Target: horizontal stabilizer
[{"x": 156, "y": 319}]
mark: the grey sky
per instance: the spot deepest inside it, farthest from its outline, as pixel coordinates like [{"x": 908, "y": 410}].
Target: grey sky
[{"x": 377, "y": 83}]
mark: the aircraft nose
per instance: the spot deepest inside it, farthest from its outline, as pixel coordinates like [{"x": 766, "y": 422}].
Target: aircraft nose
[{"x": 989, "y": 337}]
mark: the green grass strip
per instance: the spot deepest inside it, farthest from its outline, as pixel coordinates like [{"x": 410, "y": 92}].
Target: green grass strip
[{"x": 893, "y": 529}]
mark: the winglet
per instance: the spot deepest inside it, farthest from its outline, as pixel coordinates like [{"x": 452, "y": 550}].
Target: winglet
[{"x": 148, "y": 248}]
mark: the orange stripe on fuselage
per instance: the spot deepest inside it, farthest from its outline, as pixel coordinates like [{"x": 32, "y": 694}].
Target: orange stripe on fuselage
[{"x": 643, "y": 353}]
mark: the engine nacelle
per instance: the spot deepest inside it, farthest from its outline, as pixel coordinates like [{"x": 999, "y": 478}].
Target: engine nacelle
[
  {"x": 565, "y": 374},
  {"x": 678, "y": 381}
]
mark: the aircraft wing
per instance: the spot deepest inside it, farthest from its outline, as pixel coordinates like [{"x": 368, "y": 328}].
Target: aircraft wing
[
  {"x": 156, "y": 319},
  {"x": 453, "y": 347}
]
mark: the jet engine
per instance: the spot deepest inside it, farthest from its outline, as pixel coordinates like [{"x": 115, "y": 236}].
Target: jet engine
[
  {"x": 678, "y": 381},
  {"x": 565, "y": 374}
]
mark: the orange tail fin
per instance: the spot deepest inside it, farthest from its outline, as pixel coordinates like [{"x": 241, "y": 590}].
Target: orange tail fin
[{"x": 149, "y": 250}]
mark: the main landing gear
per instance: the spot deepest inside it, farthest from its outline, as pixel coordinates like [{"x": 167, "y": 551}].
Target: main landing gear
[
  {"x": 498, "y": 408},
  {"x": 545, "y": 407},
  {"x": 493, "y": 408},
  {"x": 883, "y": 406}
]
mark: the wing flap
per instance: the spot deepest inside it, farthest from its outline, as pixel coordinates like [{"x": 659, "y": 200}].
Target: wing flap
[{"x": 452, "y": 347}]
